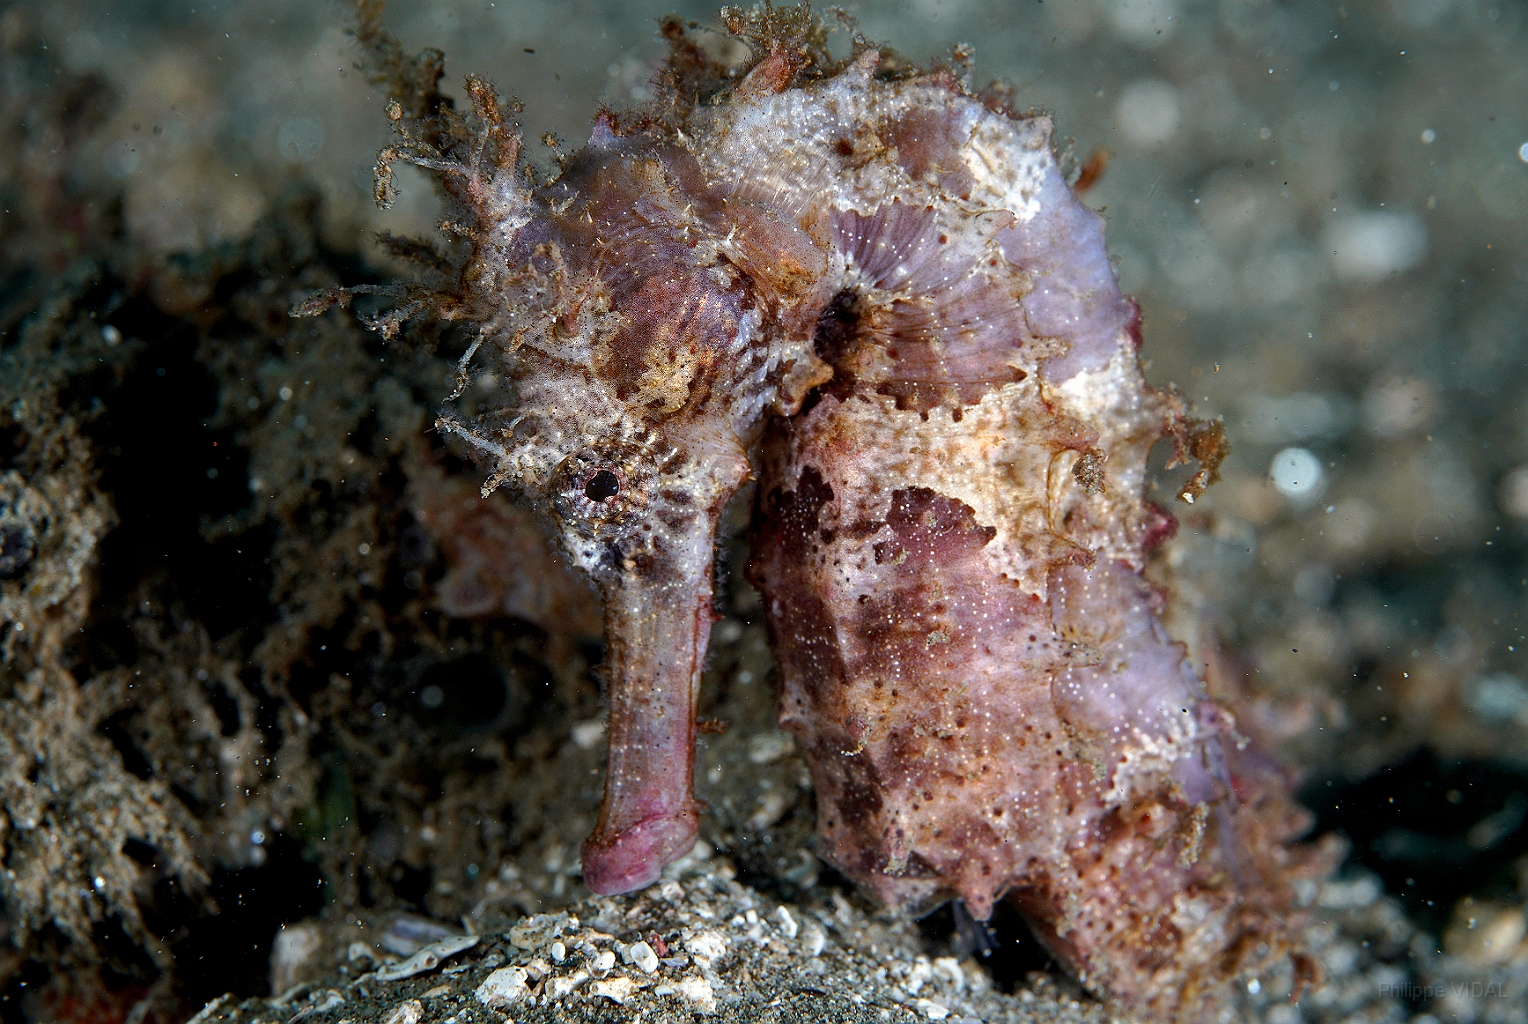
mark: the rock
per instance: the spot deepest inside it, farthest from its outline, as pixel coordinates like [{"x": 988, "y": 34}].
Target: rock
[
  {"x": 428, "y": 958},
  {"x": 406, "y": 1013},
  {"x": 503, "y": 987},
  {"x": 293, "y": 952},
  {"x": 643, "y": 956},
  {"x": 617, "y": 990},
  {"x": 1484, "y": 934},
  {"x": 728, "y": 959}
]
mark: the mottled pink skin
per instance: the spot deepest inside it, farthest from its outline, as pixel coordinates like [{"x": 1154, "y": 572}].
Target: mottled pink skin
[
  {"x": 971, "y": 737},
  {"x": 653, "y": 305},
  {"x": 622, "y": 220},
  {"x": 1075, "y": 294},
  {"x": 641, "y": 349},
  {"x": 649, "y": 817},
  {"x": 950, "y": 545},
  {"x": 878, "y": 294}
]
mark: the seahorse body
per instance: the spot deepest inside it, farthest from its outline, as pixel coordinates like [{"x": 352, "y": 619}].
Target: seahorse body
[
  {"x": 950, "y": 544},
  {"x": 875, "y": 291}
]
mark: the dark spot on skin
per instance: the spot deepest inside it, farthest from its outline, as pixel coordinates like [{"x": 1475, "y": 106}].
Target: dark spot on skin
[
  {"x": 798, "y": 510},
  {"x": 930, "y": 526},
  {"x": 676, "y": 520},
  {"x": 602, "y": 486},
  {"x": 860, "y": 799},
  {"x": 844, "y": 147},
  {"x": 837, "y": 330},
  {"x": 1159, "y": 527},
  {"x": 1088, "y": 471},
  {"x": 611, "y": 558},
  {"x": 918, "y": 867}
]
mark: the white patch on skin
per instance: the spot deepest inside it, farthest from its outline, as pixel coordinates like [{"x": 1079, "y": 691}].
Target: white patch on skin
[
  {"x": 1150, "y": 757},
  {"x": 998, "y": 459},
  {"x": 789, "y": 140},
  {"x": 1128, "y": 417},
  {"x": 1009, "y": 168},
  {"x": 1101, "y": 397}
]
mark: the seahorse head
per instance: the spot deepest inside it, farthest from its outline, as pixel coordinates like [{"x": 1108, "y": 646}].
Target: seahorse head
[
  {"x": 638, "y": 360},
  {"x": 638, "y": 322}
]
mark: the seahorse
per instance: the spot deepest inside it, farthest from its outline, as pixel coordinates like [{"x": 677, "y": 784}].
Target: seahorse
[{"x": 871, "y": 289}]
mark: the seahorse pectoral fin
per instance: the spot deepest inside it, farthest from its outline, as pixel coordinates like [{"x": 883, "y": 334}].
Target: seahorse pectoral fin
[{"x": 657, "y": 628}]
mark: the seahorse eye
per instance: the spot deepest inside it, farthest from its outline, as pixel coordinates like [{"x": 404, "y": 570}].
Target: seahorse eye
[
  {"x": 600, "y": 486},
  {"x": 603, "y": 484},
  {"x": 598, "y": 492}
]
